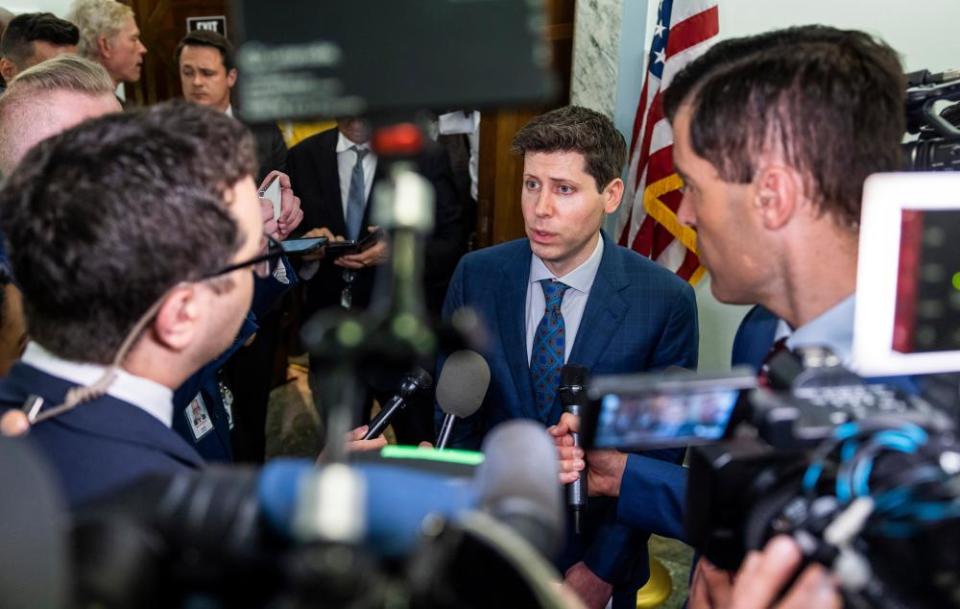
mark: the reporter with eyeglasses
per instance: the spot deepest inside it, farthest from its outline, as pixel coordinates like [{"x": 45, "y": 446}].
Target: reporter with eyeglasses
[{"x": 114, "y": 227}]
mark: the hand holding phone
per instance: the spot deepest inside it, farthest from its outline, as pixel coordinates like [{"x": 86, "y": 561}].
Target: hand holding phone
[{"x": 369, "y": 251}]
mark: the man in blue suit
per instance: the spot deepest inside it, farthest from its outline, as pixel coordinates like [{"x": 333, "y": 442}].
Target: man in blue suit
[
  {"x": 132, "y": 237},
  {"x": 773, "y": 137},
  {"x": 568, "y": 294}
]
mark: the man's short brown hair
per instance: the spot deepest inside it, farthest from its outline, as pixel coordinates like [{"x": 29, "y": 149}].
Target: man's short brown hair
[
  {"x": 577, "y": 129},
  {"x": 832, "y": 108}
]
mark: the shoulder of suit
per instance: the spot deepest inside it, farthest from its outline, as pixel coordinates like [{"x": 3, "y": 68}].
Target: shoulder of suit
[
  {"x": 498, "y": 255},
  {"x": 316, "y": 141},
  {"x": 637, "y": 265}
]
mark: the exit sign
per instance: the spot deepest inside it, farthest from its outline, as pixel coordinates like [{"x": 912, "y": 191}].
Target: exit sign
[{"x": 216, "y": 23}]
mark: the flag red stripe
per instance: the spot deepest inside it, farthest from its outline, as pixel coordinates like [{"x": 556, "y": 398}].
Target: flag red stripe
[
  {"x": 693, "y": 30},
  {"x": 691, "y": 262},
  {"x": 656, "y": 113},
  {"x": 638, "y": 117}
]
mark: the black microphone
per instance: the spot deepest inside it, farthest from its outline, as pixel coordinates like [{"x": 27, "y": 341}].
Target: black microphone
[
  {"x": 417, "y": 380},
  {"x": 517, "y": 483},
  {"x": 461, "y": 388},
  {"x": 573, "y": 396}
]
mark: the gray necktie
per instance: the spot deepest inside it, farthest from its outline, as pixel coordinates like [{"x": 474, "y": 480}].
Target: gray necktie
[{"x": 356, "y": 198}]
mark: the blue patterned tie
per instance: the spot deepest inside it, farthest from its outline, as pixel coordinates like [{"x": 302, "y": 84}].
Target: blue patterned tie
[
  {"x": 356, "y": 198},
  {"x": 546, "y": 357}
]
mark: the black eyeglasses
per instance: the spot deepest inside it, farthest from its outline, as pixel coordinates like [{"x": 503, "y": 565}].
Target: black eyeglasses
[{"x": 259, "y": 264}]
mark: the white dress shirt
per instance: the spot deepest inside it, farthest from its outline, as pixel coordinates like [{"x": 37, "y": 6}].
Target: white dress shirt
[
  {"x": 151, "y": 397},
  {"x": 574, "y": 302},
  {"x": 832, "y": 329},
  {"x": 346, "y": 159}
]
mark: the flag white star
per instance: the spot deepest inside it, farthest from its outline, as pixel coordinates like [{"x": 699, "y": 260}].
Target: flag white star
[
  {"x": 660, "y": 56},
  {"x": 658, "y": 30}
]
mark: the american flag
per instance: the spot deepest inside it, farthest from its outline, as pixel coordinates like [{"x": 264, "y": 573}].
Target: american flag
[{"x": 648, "y": 221}]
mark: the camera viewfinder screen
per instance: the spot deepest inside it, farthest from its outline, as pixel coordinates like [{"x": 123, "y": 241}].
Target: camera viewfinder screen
[{"x": 657, "y": 420}]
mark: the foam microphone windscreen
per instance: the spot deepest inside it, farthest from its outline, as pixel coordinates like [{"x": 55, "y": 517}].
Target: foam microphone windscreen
[
  {"x": 463, "y": 383},
  {"x": 518, "y": 482}
]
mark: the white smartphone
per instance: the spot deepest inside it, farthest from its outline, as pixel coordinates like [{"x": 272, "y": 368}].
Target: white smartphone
[{"x": 272, "y": 193}]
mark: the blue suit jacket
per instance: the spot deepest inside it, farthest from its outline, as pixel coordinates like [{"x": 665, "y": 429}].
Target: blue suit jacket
[
  {"x": 639, "y": 316},
  {"x": 99, "y": 446},
  {"x": 754, "y": 338}
]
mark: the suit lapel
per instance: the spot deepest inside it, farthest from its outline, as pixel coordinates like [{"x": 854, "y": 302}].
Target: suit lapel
[
  {"x": 604, "y": 312},
  {"x": 511, "y": 317}
]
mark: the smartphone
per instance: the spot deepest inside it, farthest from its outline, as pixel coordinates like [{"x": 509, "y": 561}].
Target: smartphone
[
  {"x": 306, "y": 245},
  {"x": 271, "y": 192},
  {"x": 649, "y": 411},
  {"x": 354, "y": 246}
]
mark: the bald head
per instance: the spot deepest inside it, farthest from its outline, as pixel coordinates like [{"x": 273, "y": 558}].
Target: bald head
[{"x": 50, "y": 98}]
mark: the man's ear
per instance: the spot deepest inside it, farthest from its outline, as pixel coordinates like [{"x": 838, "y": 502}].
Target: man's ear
[
  {"x": 778, "y": 195},
  {"x": 612, "y": 195},
  {"x": 7, "y": 69},
  {"x": 104, "y": 46},
  {"x": 231, "y": 78},
  {"x": 177, "y": 320}
]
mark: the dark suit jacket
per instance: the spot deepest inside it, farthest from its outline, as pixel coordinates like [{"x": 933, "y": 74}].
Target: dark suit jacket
[
  {"x": 754, "y": 338},
  {"x": 639, "y": 316},
  {"x": 100, "y": 445},
  {"x": 271, "y": 149},
  {"x": 312, "y": 165}
]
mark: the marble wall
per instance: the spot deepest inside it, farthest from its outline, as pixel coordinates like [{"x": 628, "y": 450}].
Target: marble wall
[{"x": 596, "y": 54}]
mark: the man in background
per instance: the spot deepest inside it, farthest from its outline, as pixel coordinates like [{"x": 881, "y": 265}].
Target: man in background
[
  {"x": 207, "y": 65},
  {"x": 109, "y": 35},
  {"x": 34, "y": 37}
]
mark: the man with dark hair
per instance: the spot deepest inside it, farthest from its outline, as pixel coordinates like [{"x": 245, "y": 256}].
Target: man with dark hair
[
  {"x": 208, "y": 73},
  {"x": 773, "y": 137},
  {"x": 132, "y": 280},
  {"x": 34, "y": 37},
  {"x": 568, "y": 294}
]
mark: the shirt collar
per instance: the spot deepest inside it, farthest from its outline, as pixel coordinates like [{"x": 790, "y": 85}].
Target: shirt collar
[
  {"x": 833, "y": 329},
  {"x": 580, "y": 278},
  {"x": 151, "y": 397},
  {"x": 344, "y": 143},
  {"x": 229, "y": 110}
]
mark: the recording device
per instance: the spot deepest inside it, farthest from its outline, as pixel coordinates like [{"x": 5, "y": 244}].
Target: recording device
[
  {"x": 911, "y": 324},
  {"x": 862, "y": 475},
  {"x": 936, "y": 146},
  {"x": 271, "y": 192},
  {"x": 305, "y": 245},
  {"x": 463, "y": 384},
  {"x": 237, "y": 537},
  {"x": 661, "y": 410},
  {"x": 335, "y": 249},
  {"x": 572, "y": 392},
  {"x": 419, "y": 380}
]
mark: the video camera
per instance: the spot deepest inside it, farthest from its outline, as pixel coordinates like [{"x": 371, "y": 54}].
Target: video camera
[
  {"x": 864, "y": 476},
  {"x": 937, "y": 147}
]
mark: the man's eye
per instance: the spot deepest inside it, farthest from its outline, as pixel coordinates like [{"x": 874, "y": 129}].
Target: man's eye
[
  {"x": 565, "y": 189},
  {"x": 531, "y": 184}
]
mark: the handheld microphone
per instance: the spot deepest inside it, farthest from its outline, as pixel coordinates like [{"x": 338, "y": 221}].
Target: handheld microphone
[
  {"x": 516, "y": 483},
  {"x": 461, "y": 388},
  {"x": 573, "y": 396},
  {"x": 417, "y": 380}
]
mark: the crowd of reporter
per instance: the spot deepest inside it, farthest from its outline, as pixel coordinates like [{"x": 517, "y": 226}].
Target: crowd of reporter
[{"x": 132, "y": 235}]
